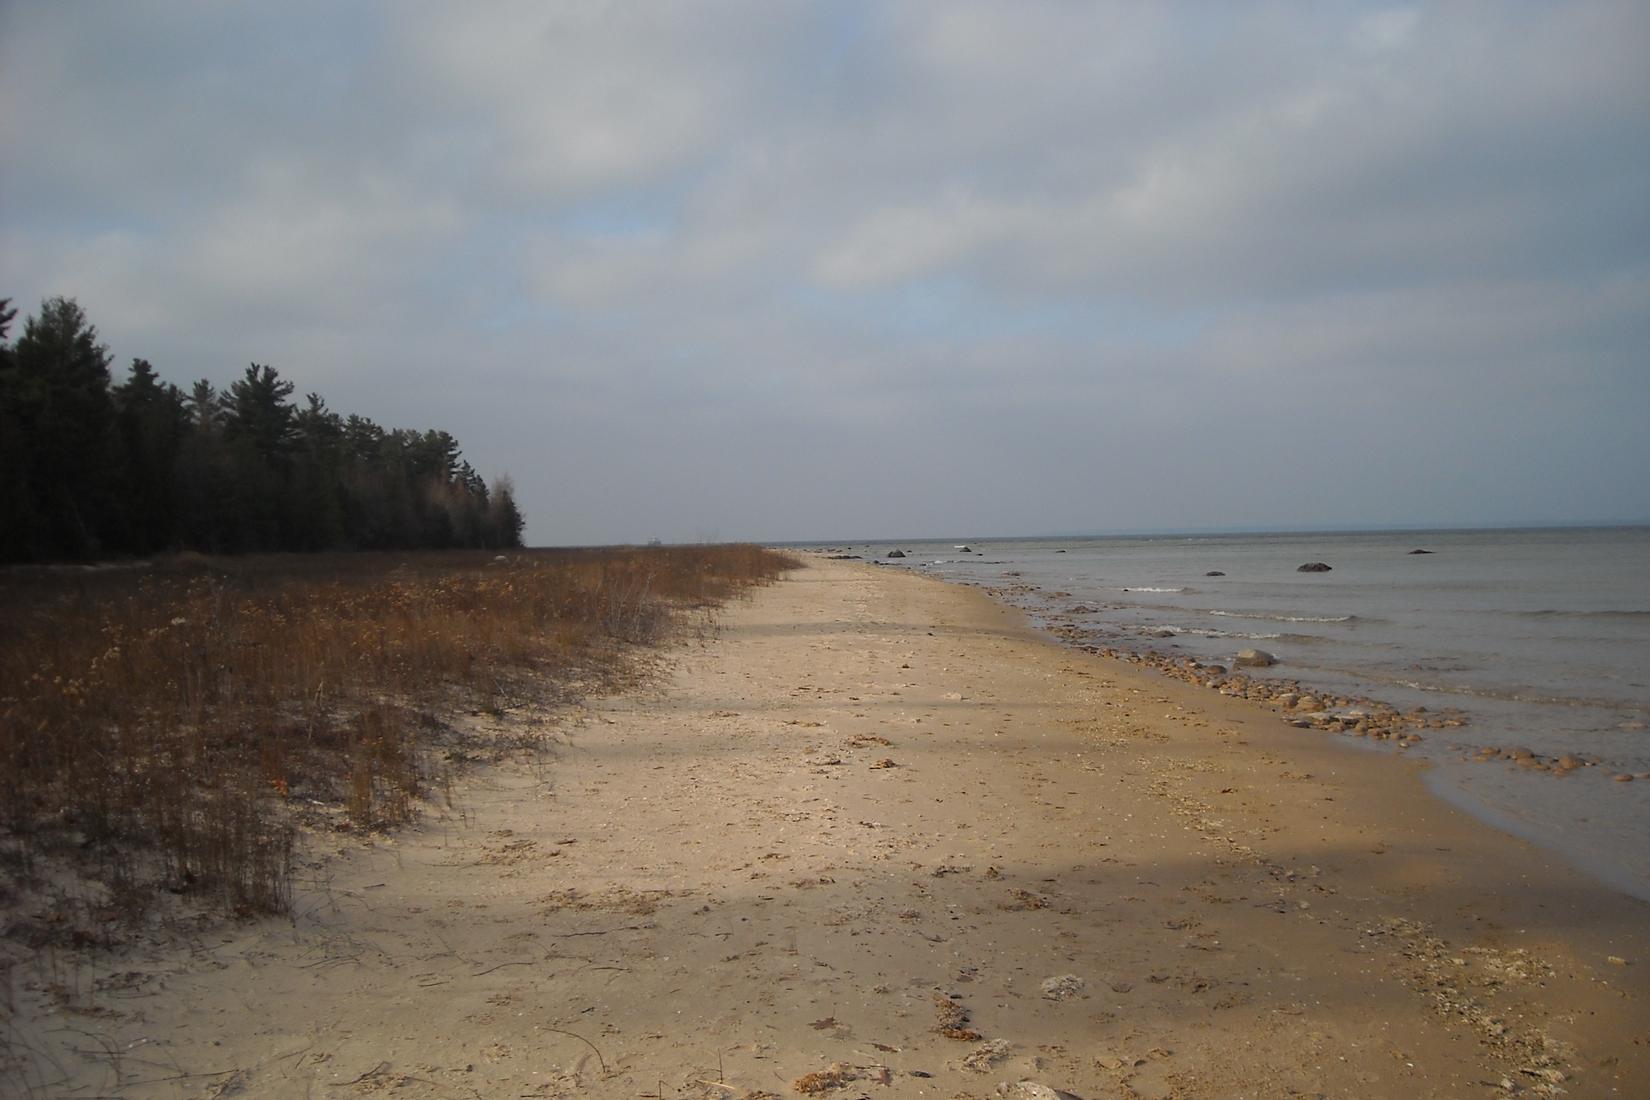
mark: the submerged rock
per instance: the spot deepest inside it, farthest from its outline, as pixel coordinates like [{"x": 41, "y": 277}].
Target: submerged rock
[
  {"x": 1312, "y": 567},
  {"x": 1214, "y": 573},
  {"x": 1420, "y": 552}
]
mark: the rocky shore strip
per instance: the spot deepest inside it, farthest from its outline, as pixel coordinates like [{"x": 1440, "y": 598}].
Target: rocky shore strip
[{"x": 1306, "y": 707}]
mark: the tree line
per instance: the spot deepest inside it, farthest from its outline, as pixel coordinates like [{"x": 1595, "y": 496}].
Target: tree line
[{"x": 89, "y": 467}]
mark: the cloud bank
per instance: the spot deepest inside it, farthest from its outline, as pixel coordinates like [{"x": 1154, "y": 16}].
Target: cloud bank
[{"x": 789, "y": 271}]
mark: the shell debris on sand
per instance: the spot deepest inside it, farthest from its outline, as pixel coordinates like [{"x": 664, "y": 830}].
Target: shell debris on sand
[
  {"x": 986, "y": 1055},
  {"x": 1062, "y": 987}
]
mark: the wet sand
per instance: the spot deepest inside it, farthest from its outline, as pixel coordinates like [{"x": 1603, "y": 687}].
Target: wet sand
[{"x": 878, "y": 832}]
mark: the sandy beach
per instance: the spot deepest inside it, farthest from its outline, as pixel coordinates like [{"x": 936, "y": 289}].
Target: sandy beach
[{"x": 875, "y": 837}]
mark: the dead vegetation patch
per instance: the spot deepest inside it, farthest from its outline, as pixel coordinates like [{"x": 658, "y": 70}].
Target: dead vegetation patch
[
  {"x": 1025, "y": 899},
  {"x": 951, "y": 1020},
  {"x": 615, "y": 899},
  {"x": 836, "y": 1076},
  {"x": 172, "y": 728}
]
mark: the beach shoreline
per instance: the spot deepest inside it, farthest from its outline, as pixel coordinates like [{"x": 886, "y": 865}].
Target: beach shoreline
[
  {"x": 881, "y": 831},
  {"x": 1503, "y": 657}
]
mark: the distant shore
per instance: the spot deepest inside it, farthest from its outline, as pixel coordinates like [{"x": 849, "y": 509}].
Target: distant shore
[{"x": 877, "y": 831}]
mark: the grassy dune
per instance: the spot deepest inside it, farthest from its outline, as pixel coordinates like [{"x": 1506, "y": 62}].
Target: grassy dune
[{"x": 167, "y": 727}]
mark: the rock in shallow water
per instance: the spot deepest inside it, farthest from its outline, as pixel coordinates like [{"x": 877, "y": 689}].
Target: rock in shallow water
[
  {"x": 1254, "y": 658},
  {"x": 1312, "y": 567}
]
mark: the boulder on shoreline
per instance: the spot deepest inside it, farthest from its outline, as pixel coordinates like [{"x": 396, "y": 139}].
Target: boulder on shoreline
[
  {"x": 1254, "y": 658},
  {"x": 1313, "y": 567}
]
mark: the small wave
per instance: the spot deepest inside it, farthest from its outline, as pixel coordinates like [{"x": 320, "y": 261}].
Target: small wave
[
  {"x": 1524, "y": 696},
  {"x": 1209, "y": 632},
  {"x": 1555, "y": 613},
  {"x": 1156, "y": 590},
  {"x": 1285, "y": 618}
]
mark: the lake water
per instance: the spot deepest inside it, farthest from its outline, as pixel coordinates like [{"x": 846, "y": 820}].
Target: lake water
[{"x": 1540, "y": 637}]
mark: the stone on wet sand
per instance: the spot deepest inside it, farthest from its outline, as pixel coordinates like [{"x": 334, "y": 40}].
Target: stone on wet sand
[
  {"x": 1062, "y": 987},
  {"x": 1254, "y": 658}
]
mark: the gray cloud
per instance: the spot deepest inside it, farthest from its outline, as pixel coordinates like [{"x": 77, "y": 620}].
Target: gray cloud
[{"x": 758, "y": 270}]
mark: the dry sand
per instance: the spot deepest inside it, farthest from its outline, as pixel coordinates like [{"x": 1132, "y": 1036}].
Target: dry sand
[{"x": 872, "y": 807}]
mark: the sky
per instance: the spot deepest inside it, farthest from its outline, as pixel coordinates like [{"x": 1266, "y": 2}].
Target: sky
[{"x": 788, "y": 271}]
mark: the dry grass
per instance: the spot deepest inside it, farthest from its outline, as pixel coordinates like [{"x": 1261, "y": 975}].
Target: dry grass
[{"x": 163, "y": 726}]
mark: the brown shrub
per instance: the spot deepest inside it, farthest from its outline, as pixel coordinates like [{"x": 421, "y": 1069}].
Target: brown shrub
[{"x": 158, "y": 721}]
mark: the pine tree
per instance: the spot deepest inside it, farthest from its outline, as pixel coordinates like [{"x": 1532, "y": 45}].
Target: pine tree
[
  {"x": 58, "y": 404},
  {"x": 19, "y": 524},
  {"x": 154, "y": 420},
  {"x": 508, "y": 522}
]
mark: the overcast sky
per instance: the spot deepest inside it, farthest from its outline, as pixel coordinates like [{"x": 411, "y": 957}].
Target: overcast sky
[{"x": 777, "y": 271}]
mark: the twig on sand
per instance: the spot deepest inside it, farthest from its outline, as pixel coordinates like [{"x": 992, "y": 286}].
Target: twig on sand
[
  {"x": 721, "y": 1077},
  {"x": 599, "y": 1059},
  {"x": 606, "y": 931},
  {"x": 502, "y": 965},
  {"x": 186, "y": 1076},
  {"x": 373, "y": 1072}
]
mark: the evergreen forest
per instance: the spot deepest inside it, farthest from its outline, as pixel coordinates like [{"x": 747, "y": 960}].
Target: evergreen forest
[{"x": 92, "y": 468}]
